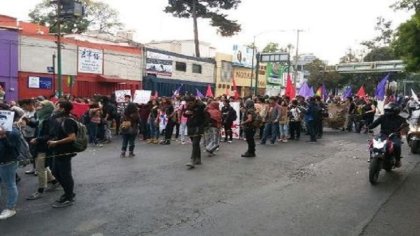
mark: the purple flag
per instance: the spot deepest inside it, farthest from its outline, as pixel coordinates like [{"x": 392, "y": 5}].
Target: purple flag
[
  {"x": 324, "y": 92},
  {"x": 177, "y": 91},
  {"x": 347, "y": 92},
  {"x": 199, "y": 94},
  {"x": 304, "y": 91},
  {"x": 311, "y": 91},
  {"x": 380, "y": 89}
]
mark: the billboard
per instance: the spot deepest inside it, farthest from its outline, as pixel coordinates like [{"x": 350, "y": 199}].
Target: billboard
[
  {"x": 90, "y": 60},
  {"x": 242, "y": 55},
  {"x": 159, "y": 64}
]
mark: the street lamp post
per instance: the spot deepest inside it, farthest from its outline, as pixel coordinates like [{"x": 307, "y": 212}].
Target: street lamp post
[{"x": 252, "y": 65}]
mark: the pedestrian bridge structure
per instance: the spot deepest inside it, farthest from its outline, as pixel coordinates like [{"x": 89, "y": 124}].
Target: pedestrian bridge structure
[{"x": 369, "y": 67}]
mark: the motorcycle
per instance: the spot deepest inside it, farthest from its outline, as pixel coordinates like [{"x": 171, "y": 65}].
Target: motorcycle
[
  {"x": 382, "y": 156},
  {"x": 413, "y": 136}
]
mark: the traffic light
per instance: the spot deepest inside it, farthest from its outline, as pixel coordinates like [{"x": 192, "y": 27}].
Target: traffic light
[{"x": 71, "y": 8}]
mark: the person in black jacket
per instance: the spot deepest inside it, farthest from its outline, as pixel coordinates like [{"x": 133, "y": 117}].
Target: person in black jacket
[
  {"x": 228, "y": 117},
  {"x": 44, "y": 113},
  {"x": 391, "y": 122},
  {"x": 63, "y": 130},
  {"x": 196, "y": 120}
]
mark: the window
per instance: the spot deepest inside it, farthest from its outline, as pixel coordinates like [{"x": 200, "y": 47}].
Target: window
[
  {"x": 196, "y": 69},
  {"x": 181, "y": 66}
]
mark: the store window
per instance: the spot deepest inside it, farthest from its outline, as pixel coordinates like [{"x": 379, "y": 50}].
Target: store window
[
  {"x": 181, "y": 66},
  {"x": 196, "y": 68}
]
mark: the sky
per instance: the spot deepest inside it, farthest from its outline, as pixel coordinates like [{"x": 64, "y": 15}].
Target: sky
[{"x": 330, "y": 27}]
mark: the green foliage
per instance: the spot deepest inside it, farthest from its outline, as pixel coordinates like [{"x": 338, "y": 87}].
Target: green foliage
[
  {"x": 407, "y": 44},
  {"x": 407, "y": 5},
  {"x": 380, "y": 54},
  {"x": 207, "y": 9},
  {"x": 318, "y": 75},
  {"x": 349, "y": 57},
  {"x": 271, "y": 47},
  {"x": 98, "y": 16}
]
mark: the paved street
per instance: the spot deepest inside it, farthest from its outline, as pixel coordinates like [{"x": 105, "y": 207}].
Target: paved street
[{"x": 289, "y": 189}]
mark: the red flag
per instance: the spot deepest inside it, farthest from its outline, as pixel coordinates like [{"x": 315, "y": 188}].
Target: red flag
[
  {"x": 209, "y": 92},
  {"x": 361, "y": 93},
  {"x": 290, "y": 89},
  {"x": 235, "y": 89}
]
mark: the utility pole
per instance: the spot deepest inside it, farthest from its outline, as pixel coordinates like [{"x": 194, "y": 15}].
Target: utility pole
[
  {"x": 252, "y": 66},
  {"x": 256, "y": 74},
  {"x": 59, "y": 49},
  {"x": 297, "y": 56}
]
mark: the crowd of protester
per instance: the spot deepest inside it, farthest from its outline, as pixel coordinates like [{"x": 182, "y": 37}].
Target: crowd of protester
[{"x": 49, "y": 126}]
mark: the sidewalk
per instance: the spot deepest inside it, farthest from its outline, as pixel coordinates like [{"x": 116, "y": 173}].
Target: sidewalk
[{"x": 400, "y": 215}]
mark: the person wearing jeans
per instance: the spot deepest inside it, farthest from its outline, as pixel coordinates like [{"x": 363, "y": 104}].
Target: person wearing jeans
[
  {"x": 272, "y": 121},
  {"x": 95, "y": 120},
  {"x": 129, "y": 129},
  {"x": 283, "y": 123},
  {"x": 153, "y": 121},
  {"x": 8, "y": 166}
]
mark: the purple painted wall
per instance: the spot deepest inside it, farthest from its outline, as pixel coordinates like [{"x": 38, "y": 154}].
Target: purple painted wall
[{"x": 9, "y": 63}]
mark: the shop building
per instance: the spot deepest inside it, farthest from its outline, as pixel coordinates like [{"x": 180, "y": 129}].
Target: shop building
[{"x": 167, "y": 71}]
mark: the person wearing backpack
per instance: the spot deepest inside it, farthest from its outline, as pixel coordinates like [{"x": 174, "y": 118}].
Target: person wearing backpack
[
  {"x": 64, "y": 131},
  {"x": 8, "y": 166},
  {"x": 249, "y": 127}
]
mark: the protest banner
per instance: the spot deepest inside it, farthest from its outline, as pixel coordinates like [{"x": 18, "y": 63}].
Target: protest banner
[
  {"x": 142, "y": 96},
  {"x": 6, "y": 119},
  {"x": 119, "y": 95}
]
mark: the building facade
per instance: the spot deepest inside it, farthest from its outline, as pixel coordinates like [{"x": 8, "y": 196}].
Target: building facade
[
  {"x": 167, "y": 71},
  {"x": 9, "y": 62},
  {"x": 184, "y": 47},
  {"x": 29, "y": 63}
]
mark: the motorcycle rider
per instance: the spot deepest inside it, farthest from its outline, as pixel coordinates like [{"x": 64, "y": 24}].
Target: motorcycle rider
[{"x": 391, "y": 122}]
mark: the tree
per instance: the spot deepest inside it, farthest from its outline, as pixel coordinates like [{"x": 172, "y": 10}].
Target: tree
[
  {"x": 98, "y": 16},
  {"x": 206, "y": 9},
  {"x": 406, "y": 44},
  {"x": 349, "y": 57},
  {"x": 380, "y": 54},
  {"x": 407, "y": 4},
  {"x": 318, "y": 75}
]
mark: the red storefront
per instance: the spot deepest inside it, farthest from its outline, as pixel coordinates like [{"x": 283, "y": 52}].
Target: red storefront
[{"x": 120, "y": 66}]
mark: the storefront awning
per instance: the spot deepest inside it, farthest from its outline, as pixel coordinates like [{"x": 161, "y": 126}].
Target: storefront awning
[{"x": 112, "y": 79}]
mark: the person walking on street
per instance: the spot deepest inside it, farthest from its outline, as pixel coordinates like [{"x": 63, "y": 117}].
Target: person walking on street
[
  {"x": 44, "y": 113},
  {"x": 129, "y": 129},
  {"x": 272, "y": 122},
  {"x": 64, "y": 130},
  {"x": 249, "y": 127},
  {"x": 228, "y": 117},
  {"x": 310, "y": 119},
  {"x": 195, "y": 113},
  {"x": 8, "y": 166}
]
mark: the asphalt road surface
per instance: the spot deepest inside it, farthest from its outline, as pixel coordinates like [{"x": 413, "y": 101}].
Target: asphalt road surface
[{"x": 295, "y": 188}]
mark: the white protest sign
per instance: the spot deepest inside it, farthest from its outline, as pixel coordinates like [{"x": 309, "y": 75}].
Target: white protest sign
[
  {"x": 235, "y": 125},
  {"x": 6, "y": 119},
  {"x": 142, "y": 96},
  {"x": 119, "y": 95}
]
